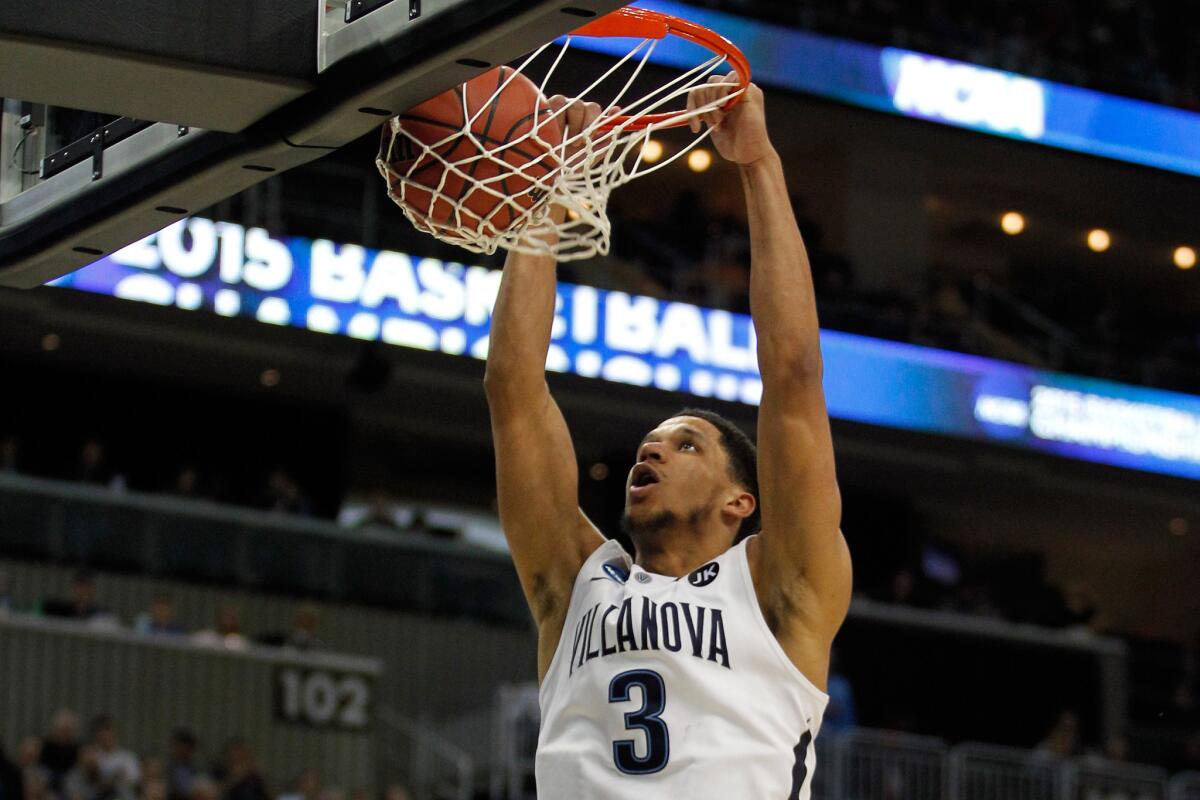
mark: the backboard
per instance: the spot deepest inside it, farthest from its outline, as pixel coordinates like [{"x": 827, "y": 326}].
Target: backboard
[{"x": 202, "y": 100}]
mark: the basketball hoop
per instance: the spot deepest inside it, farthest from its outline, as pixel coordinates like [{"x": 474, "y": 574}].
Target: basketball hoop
[{"x": 577, "y": 172}]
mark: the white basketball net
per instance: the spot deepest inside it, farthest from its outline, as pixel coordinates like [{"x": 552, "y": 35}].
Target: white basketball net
[{"x": 578, "y": 174}]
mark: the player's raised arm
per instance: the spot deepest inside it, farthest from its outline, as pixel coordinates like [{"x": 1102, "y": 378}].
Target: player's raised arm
[
  {"x": 536, "y": 473},
  {"x": 803, "y": 565}
]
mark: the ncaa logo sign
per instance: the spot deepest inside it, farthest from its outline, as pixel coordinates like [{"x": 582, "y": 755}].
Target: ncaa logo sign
[{"x": 704, "y": 575}]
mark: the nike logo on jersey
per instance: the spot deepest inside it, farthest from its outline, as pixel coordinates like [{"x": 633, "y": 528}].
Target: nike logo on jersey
[{"x": 613, "y": 572}]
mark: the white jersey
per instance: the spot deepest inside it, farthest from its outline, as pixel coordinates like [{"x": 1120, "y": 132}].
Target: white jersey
[{"x": 666, "y": 687}]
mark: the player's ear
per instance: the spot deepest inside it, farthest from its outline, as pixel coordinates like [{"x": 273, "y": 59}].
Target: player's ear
[{"x": 741, "y": 505}]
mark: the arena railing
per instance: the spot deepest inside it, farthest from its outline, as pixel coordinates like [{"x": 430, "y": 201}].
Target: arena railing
[
  {"x": 416, "y": 755},
  {"x": 516, "y": 716},
  {"x": 1111, "y": 654},
  {"x": 1185, "y": 786},
  {"x": 209, "y": 542},
  {"x": 1087, "y": 778},
  {"x": 872, "y": 764},
  {"x": 297, "y": 709},
  {"x": 989, "y": 772}
]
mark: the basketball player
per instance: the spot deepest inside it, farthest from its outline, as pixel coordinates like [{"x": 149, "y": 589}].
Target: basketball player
[{"x": 695, "y": 669}]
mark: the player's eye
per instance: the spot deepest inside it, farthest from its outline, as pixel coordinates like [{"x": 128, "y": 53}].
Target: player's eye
[{"x": 686, "y": 444}]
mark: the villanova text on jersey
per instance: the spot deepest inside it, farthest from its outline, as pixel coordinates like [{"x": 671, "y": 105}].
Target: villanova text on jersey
[{"x": 641, "y": 624}]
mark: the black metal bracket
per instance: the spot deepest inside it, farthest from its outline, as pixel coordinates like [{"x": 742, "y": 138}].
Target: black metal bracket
[
  {"x": 91, "y": 146},
  {"x": 357, "y": 9}
]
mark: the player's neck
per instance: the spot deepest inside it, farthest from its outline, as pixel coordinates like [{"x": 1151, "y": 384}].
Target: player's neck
[{"x": 678, "y": 552}]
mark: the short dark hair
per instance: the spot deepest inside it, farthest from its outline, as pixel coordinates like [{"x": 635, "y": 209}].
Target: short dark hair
[{"x": 743, "y": 462}]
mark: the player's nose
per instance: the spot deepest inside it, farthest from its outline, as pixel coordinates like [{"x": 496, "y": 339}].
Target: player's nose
[{"x": 651, "y": 451}]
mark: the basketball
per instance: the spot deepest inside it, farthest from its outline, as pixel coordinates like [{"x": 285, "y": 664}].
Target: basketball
[{"x": 493, "y": 181}]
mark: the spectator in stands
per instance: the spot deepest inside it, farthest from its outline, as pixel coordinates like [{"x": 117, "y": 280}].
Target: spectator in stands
[
  {"x": 283, "y": 495},
  {"x": 187, "y": 483},
  {"x": 1062, "y": 740},
  {"x": 160, "y": 619},
  {"x": 1082, "y": 609},
  {"x": 93, "y": 466},
  {"x": 227, "y": 632},
  {"x": 419, "y": 524},
  {"x": 307, "y": 786},
  {"x": 380, "y": 513},
  {"x": 180, "y": 770},
  {"x": 29, "y": 754},
  {"x": 120, "y": 769},
  {"x": 154, "y": 769},
  {"x": 37, "y": 787},
  {"x": 302, "y": 636},
  {"x": 154, "y": 789},
  {"x": 10, "y": 455},
  {"x": 304, "y": 628},
  {"x": 239, "y": 774},
  {"x": 60, "y": 749},
  {"x": 82, "y": 603},
  {"x": 84, "y": 781},
  {"x": 841, "y": 713},
  {"x": 12, "y": 783},
  {"x": 205, "y": 788}
]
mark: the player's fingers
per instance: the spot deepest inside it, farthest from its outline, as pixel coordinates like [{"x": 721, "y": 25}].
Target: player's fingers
[
  {"x": 574, "y": 117},
  {"x": 591, "y": 112},
  {"x": 695, "y": 100}
]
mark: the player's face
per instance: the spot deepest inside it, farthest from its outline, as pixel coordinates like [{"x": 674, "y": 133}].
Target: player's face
[{"x": 680, "y": 466}]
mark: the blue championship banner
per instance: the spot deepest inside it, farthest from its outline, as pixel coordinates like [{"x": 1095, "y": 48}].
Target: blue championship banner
[
  {"x": 940, "y": 90},
  {"x": 445, "y": 306}
]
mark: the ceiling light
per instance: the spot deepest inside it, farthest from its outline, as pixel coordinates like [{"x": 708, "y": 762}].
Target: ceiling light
[
  {"x": 699, "y": 160},
  {"x": 1099, "y": 240},
  {"x": 652, "y": 151},
  {"x": 1185, "y": 257},
  {"x": 1012, "y": 223}
]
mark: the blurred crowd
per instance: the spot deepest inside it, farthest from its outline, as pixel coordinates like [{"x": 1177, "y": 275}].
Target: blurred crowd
[
  {"x": 1143, "y": 49},
  {"x": 1067, "y": 326},
  {"x": 1012, "y": 586},
  {"x": 69, "y": 762},
  {"x": 277, "y": 492},
  {"x": 82, "y": 605}
]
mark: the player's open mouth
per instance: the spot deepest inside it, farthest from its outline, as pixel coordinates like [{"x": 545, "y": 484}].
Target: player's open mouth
[{"x": 642, "y": 480}]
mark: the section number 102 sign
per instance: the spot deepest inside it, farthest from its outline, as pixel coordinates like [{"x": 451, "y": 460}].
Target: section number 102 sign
[{"x": 323, "y": 698}]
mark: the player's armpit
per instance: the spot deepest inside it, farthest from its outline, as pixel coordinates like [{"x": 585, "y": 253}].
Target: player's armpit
[
  {"x": 803, "y": 570},
  {"x": 537, "y": 485}
]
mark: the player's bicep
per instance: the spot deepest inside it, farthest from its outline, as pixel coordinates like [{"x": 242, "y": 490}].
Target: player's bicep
[
  {"x": 537, "y": 486},
  {"x": 803, "y": 548}
]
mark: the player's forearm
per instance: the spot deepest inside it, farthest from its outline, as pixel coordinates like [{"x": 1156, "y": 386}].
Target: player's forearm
[
  {"x": 521, "y": 327},
  {"x": 782, "y": 300}
]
